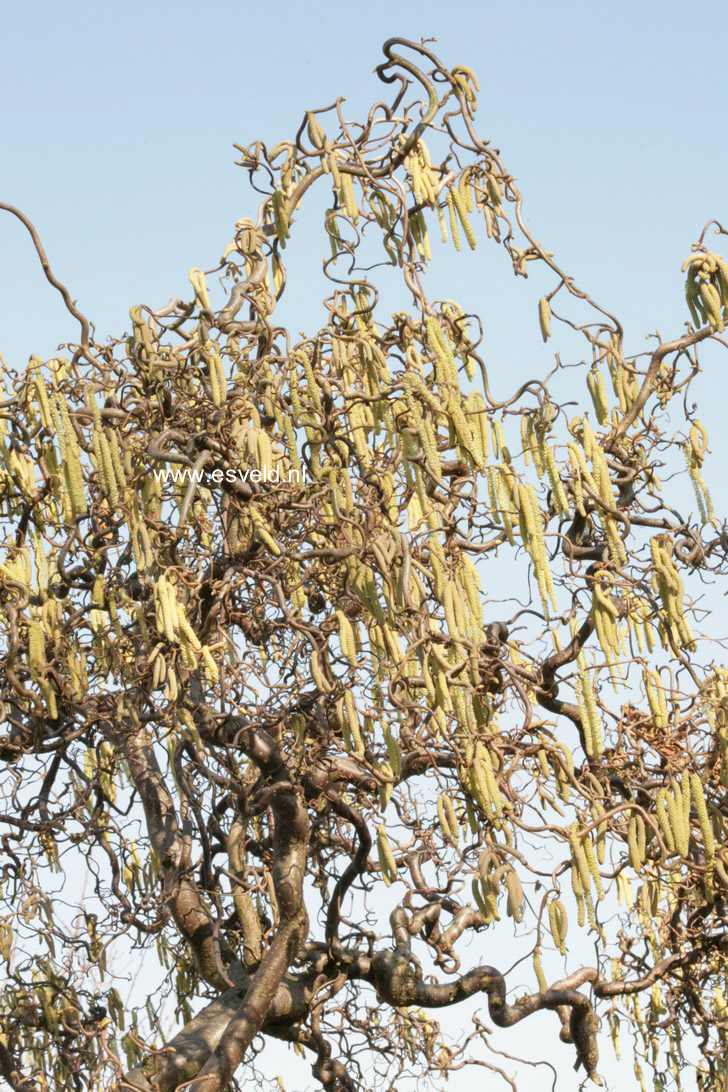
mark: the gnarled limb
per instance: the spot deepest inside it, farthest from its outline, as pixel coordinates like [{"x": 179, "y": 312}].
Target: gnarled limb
[
  {"x": 171, "y": 843},
  {"x": 396, "y": 982}
]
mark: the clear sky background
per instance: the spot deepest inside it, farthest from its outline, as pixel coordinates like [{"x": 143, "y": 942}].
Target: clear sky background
[{"x": 116, "y": 140}]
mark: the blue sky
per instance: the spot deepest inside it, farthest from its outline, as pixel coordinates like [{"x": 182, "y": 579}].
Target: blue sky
[{"x": 119, "y": 120}]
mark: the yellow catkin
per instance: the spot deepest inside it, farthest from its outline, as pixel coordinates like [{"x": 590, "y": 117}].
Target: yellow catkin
[
  {"x": 454, "y": 230},
  {"x": 544, "y": 318},
  {"x": 197, "y": 279},
  {"x": 387, "y": 862},
  {"x": 349, "y": 200},
  {"x": 72, "y": 475},
  {"x": 558, "y": 924},
  {"x": 393, "y": 751},
  {"x": 464, "y": 218},
  {"x": 538, "y": 971},
  {"x": 262, "y": 530},
  {"x": 663, "y": 818},
  {"x": 212, "y": 673},
  {"x": 41, "y": 392},
  {"x": 597, "y": 390},
  {"x": 706, "y": 828},
  {"x": 514, "y": 905},
  {"x": 346, "y": 638},
  {"x": 443, "y": 819},
  {"x": 452, "y": 820},
  {"x": 352, "y": 722},
  {"x": 580, "y": 865},
  {"x": 478, "y": 897},
  {"x": 280, "y": 217},
  {"x": 185, "y": 629}
]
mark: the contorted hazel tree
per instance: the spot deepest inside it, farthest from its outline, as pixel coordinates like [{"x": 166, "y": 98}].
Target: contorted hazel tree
[{"x": 277, "y": 720}]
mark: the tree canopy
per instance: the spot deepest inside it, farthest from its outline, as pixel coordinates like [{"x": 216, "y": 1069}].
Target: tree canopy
[{"x": 268, "y": 725}]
